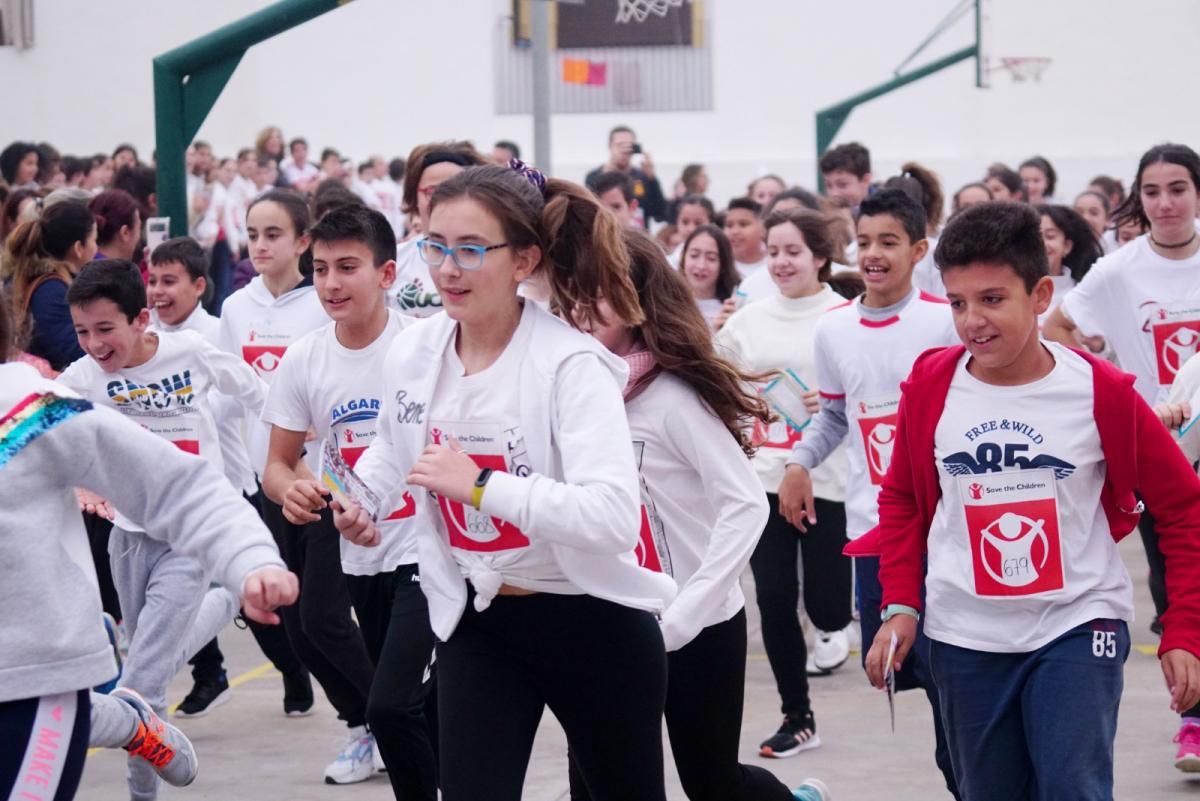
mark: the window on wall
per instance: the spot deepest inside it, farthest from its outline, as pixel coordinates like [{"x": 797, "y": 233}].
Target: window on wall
[{"x": 16, "y": 24}]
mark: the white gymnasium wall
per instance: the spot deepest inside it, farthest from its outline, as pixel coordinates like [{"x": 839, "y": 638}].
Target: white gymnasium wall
[{"x": 382, "y": 75}]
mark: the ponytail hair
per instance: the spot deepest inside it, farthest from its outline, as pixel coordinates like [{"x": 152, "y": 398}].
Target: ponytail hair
[
  {"x": 1131, "y": 210},
  {"x": 679, "y": 338},
  {"x": 818, "y": 232},
  {"x": 36, "y": 250},
  {"x": 923, "y": 186},
  {"x": 583, "y": 252}
]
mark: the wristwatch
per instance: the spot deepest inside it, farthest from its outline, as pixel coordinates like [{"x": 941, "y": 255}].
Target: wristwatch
[{"x": 480, "y": 484}]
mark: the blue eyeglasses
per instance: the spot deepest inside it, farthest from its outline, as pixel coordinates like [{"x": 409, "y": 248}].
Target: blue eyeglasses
[{"x": 467, "y": 257}]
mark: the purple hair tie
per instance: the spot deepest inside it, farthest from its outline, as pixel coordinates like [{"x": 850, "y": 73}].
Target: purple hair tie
[{"x": 531, "y": 174}]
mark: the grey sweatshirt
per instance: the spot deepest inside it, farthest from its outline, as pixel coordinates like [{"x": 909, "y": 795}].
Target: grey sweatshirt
[{"x": 51, "y": 637}]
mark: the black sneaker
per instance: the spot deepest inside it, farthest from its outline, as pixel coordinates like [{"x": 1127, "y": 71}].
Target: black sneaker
[
  {"x": 795, "y": 735},
  {"x": 206, "y": 695},
  {"x": 297, "y": 694},
  {"x": 1156, "y": 626}
]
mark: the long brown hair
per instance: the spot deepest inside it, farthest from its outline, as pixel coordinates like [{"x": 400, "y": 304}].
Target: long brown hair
[
  {"x": 583, "y": 253},
  {"x": 817, "y": 230},
  {"x": 37, "y": 249},
  {"x": 678, "y": 336},
  {"x": 727, "y": 274}
]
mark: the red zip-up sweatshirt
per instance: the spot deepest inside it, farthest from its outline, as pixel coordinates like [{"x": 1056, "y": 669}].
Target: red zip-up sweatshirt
[{"x": 1140, "y": 456}]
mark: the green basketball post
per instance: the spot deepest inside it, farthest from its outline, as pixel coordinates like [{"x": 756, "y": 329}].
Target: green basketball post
[
  {"x": 189, "y": 79},
  {"x": 831, "y": 119}
]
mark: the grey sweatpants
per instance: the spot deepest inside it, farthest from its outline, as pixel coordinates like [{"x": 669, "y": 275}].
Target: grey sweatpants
[{"x": 169, "y": 614}]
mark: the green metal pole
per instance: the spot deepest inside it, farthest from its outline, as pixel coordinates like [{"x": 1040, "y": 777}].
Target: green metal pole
[
  {"x": 189, "y": 79},
  {"x": 830, "y": 119}
]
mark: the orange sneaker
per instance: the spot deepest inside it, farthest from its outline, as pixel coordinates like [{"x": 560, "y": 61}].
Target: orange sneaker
[{"x": 165, "y": 747}]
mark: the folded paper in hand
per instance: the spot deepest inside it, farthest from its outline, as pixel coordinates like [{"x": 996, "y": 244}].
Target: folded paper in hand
[
  {"x": 340, "y": 479},
  {"x": 785, "y": 394}
]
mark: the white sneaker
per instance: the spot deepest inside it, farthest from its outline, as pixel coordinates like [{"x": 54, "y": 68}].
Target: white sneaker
[
  {"x": 377, "y": 757},
  {"x": 810, "y": 667},
  {"x": 355, "y": 763},
  {"x": 831, "y": 650}
]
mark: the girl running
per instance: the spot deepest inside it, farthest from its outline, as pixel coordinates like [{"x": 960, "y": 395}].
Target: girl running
[
  {"x": 703, "y": 510},
  {"x": 514, "y": 423},
  {"x": 777, "y": 334}
]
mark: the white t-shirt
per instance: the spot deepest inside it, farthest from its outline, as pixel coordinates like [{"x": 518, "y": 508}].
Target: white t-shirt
[
  {"x": 1020, "y": 550},
  {"x": 414, "y": 293},
  {"x": 172, "y": 394},
  {"x": 776, "y": 334},
  {"x": 1146, "y": 307},
  {"x": 863, "y": 362},
  {"x": 710, "y": 308},
  {"x": 388, "y": 195},
  {"x": 483, "y": 412},
  {"x": 259, "y": 327},
  {"x": 324, "y": 385},
  {"x": 228, "y": 413},
  {"x": 295, "y": 173},
  {"x": 926, "y": 275},
  {"x": 747, "y": 269},
  {"x": 1063, "y": 284},
  {"x": 758, "y": 286}
]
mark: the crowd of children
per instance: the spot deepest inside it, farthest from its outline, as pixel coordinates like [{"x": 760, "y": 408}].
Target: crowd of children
[{"x": 483, "y": 426}]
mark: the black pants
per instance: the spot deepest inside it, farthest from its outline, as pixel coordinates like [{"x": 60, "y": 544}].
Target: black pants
[
  {"x": 827, "y": 583},
  {"x": 59, "y": 722},
  {"x": 98, "y": 530},
  {"x": 706, "y": 682},
  {"x": 401, "y": 711},
  {"x": 319, "y": 625},
  {"x": 599, "y": 667}
]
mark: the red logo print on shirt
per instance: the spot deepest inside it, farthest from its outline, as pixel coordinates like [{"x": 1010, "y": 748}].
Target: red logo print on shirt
[
  {"x": 470, "y": 529},
  {"x": 879, "y": 442},
  {"x": 263, "y": 358},
  {"x": 976, "y": 491},
  {"x": 408, "y": 506},
  {"x": 1174, "y": 343},
  {"x": 646, "y": 553},
  {"x": 1015, "y": 547}
]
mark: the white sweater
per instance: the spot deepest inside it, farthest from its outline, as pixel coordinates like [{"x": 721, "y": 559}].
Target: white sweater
[
  {"x": 582, "y": 496},
  {"x": 775, "y": 334},
  {"x": 706, "y": 495},
  {"x": 51, "y": 639}
]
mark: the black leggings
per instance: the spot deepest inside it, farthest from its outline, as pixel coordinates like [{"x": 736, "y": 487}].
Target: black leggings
[
  {"x": 599, "y": 667},
  {"x": 319, "y": 625},
  {"x": 401, "y": 711},
  {"x": 43, "y": 743},
  {"x": 827, "y": 587},
  {"x": 706, "y": 683}
]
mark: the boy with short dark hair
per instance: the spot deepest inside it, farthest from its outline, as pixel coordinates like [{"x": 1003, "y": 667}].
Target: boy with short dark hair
[
  {"x": 177, "y": 282},
  {"x": 331, "y": 381},
  {"x": 1016, "y": 470},
  {"x": 743, "y": 225},
  {"x": 846, "y": 170},
  {"x": 167, "y": 383},
  {"x": 863, "y": 351},
  {"x": 615, "y": 192}
]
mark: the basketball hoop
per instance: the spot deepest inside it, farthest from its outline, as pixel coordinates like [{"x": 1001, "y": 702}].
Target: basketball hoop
[
  {"x": 1022, "y": 68},
  {"x": 639, "y": 10}
]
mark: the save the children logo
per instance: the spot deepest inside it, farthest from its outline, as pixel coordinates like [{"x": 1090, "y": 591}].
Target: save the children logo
[
  {"x": 1175, "y": 329},
  {"x": 353, "y": 425},
  {"x": 877, "y": 419},
  {"x": 651, "y": 551},
  {"x": 1012, "y": 526},
  {"x": 468, "y": 528}
]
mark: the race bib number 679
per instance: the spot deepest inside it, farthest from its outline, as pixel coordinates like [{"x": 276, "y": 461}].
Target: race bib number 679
[{"x": 1012, "y": 523}]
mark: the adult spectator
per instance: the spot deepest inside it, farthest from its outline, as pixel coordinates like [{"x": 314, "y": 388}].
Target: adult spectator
[{"x": 622, "y": 147}]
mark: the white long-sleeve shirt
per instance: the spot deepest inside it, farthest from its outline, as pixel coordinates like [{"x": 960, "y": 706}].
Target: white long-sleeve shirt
[
  {"x": 707, "y": 499},
  {"x": 580, "y": 496},
  {"x": 51, "y": 639}
]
